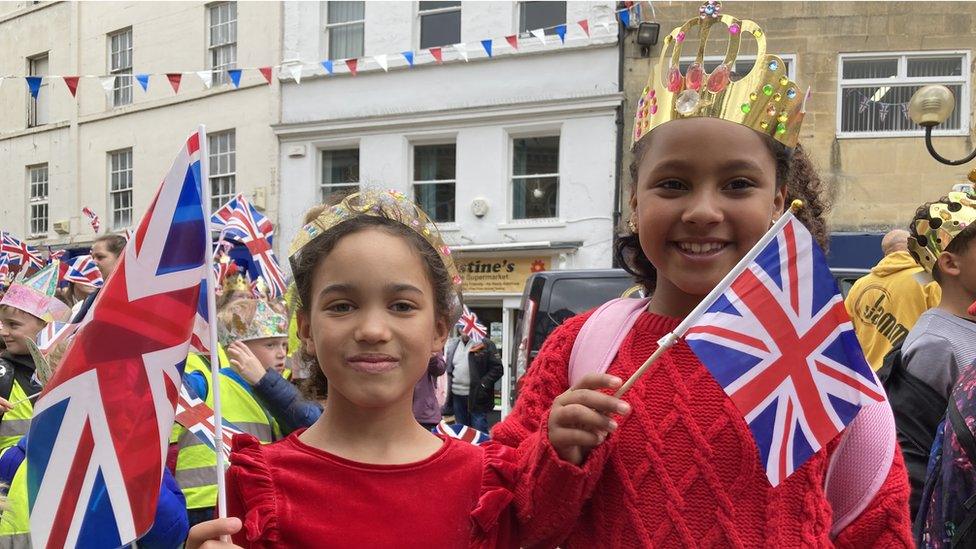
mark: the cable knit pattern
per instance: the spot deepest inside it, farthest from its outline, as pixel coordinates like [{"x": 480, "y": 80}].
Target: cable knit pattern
[{"x": 681, "y": 471}]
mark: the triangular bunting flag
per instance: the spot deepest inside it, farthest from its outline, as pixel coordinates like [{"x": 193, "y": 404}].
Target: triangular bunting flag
[
  {"x": 174, "y": 80},
  {"x": 353, "y": 65},
  {"x": 206, "y": 77},
  {"x": 408, "y": 55},
  {"x": 72, "y": 83},
  {"x": 512, "y": 41},
  {"x": 540, "y": 34},
  {"x": 561, "y": 31},
  {"x": 487, "y": 45},
  {"x": 585, "y": 25},
  {"x": 437, "y": 54},
  {"x": 296, "y": 73},
  {"x": 108, "y": 84},
  {"x": 143, "y": 80},
  {"x": 235, "y": 77},
  {"x": 266, "y": 73},
  {"x": 327, "y": 65},
  {"x": 383, "y": 62},
  {"x": 34, "y": 85},
  {"x": 462, "y": 50},
  {"x": 625, "y": 17}
]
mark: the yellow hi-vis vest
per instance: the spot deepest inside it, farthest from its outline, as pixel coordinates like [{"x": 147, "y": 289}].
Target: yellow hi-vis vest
[
  {"x": 196, "y": 463},
  {"x": 15, "y": 520},
  {"x": 15, "y": 423}
]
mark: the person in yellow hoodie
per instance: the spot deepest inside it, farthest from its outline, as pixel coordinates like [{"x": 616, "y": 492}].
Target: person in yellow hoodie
[{"x": 885, "y": 303}]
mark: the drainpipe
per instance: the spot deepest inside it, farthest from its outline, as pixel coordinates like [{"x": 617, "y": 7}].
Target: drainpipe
[{"x": 617, "y": 212}]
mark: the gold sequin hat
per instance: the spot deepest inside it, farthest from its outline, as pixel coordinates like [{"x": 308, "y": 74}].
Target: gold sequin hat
[
  {"x": 248, "y": 319},
  {"x": 389, "y": 204},
  {"x": 932, "y": 231},
  {"x": 764, "y": 99}
]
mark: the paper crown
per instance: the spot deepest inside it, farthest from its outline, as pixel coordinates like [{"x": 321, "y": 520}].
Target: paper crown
[
  {"x": 236, "y": 283},
  {"x": 764, "y": 99},
  {"x": 35, "y": 295},
  {"x": 390, "y": 204},
  {"x": 248, "y": 319},
  {"x": 933, "y": 230}
]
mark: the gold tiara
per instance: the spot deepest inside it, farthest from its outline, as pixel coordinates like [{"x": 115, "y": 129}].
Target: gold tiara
[
  {"x": 389, "y": 204},
  {"x": 764, "y": 99}
]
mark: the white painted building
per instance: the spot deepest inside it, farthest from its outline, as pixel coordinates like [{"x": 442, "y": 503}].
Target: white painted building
[
  {"x": 514, "y": 156},
  {"x": 109, "y": 150}
]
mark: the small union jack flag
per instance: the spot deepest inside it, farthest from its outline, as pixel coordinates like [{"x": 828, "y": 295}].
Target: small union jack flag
[
  {"x": 780, "y": 342},
  {"x": 83, "y": 270},
  {"x": 96, "y": 223},
  {"x": 461, "y": 432},
  {"x": 241, "y": 222},
  {"x": 101, "y": 427},
  {"x": 198, "y": 418},
  {"x": 469, "y": 325},
  {"x": 20, "y": 254}
]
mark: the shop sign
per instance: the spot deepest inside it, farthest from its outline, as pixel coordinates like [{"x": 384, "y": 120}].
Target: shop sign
[{"x": 499, "y": 274}]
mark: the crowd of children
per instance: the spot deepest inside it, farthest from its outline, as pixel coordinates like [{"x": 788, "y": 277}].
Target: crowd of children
[{"x": 350, "y": 459}]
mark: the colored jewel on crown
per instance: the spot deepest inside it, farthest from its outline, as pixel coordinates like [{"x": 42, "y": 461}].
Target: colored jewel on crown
[
  {"x": 687, "y": 102},
  {"x": 674, "y": 80},
  {"x": 695, "y": 76},
  {"x": 719, "y": 79}
]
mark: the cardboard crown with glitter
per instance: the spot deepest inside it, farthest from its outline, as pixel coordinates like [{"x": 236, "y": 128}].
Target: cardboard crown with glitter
[
  {"x": 35, "y": 295},
  {"x": 933, "y": 230},
  {"x": 764, "y": 98},
  {"x": 389, "y": 204}
]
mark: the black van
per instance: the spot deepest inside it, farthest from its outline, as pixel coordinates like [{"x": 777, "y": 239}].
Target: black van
[{"x": 551, "y": 297}]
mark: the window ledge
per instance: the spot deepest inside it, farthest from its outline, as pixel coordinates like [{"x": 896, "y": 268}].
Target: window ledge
[
  {"x": 913, "y": 134},
  {"x": 447, "y": 227},
  {"x": 533, "y": 224}
]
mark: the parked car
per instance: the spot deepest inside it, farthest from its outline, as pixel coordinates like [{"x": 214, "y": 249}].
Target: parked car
[{"x": 551, "y": 297}]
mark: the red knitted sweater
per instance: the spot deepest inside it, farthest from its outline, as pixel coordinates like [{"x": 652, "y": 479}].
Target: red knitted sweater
[{"x": 681, "y": 471}]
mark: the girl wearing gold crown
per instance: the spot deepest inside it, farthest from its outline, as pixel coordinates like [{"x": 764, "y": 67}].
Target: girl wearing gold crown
[
  {"x": 673, "y": 463},
  {"x": 366, "y": 474}
]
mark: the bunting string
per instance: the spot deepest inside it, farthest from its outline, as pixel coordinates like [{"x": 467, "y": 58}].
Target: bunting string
[{"x": 295, "y": 70}]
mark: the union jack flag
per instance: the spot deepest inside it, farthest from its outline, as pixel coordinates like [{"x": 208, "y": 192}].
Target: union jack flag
[
  {"x": 96, "y": 223},
  {"x": 198, "y": 418},
  {"x": 241, "y": 222},
  {"x": 462, "y": 432},
  {"x": 101, "y": 428},
  {"x": 200, "y": 339},
  {"x": 469, "y": 325},
  {"x": 83, "y": 270},
  {"x": 780, "y": 342},
  {"x": 20, "y": 254},
  {"x": 4, "y": 268}
]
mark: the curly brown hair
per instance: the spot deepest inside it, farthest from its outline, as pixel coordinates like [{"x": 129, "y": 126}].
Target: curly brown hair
[
  {"x": 446, "y": 303},
  {"x": 793, "y": 169}
]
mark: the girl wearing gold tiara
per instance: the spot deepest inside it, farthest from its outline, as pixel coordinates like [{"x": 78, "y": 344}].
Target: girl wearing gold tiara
[
  {"x": 673, "y": 464},
  {"x": 366, "y": 474}
]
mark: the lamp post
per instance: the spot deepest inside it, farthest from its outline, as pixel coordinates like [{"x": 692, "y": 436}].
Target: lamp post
[{"x": 929, "y": 107}]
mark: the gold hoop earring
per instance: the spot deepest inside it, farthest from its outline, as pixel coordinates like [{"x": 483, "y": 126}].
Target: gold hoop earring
[{"x": 632, "y": 226}]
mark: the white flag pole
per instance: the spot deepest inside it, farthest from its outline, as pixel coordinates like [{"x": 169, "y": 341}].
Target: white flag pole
[
  {"x": 212, "y": 323},
  {"x": 672, "y": 337}
]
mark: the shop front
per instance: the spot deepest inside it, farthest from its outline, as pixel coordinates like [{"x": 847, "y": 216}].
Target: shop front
[{"x": 493, "y": 285}]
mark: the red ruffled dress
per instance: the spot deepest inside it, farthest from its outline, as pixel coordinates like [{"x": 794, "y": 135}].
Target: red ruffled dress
[{"x": 289, "y": 494}]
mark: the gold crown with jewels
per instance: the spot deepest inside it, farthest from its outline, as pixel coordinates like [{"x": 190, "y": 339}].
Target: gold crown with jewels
[{"x": 764, "y": 99}]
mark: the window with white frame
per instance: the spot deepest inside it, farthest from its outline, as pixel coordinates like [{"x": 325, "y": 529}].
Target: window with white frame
[
  {"x": 38, "y": 183},
  {"x": 120, "y": 65},
  {"x": 37, "y": 108},
  {"x": 340, "y": 174},
  {"x": 434, "y": 180},
  {"x": 222, "y": 41},
  {"x": 874, "y": 91},
  {"x": 440, "y": 23},
  {"x": 535, "y": 177},
  {"x": 223, "y": 167},
  {"x": 541, "y": 15},
  {"x": 344, "y": 28},
  {"x": 120, "y": 188},
  {"x": 743, "y": 64}
]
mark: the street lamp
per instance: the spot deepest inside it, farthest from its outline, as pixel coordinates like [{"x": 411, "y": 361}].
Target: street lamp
[{"x": 929, "y": 107}]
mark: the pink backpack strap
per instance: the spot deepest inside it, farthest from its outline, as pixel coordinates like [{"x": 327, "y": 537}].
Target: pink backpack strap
[
  {"x": 600, "y": 337},
  {"x": 860, "y": 464}
]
